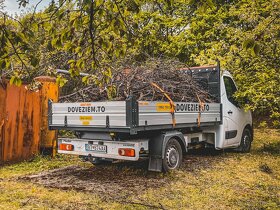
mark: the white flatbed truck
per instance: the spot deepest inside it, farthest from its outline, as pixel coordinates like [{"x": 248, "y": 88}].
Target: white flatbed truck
[{"x": 160, "y": 131}]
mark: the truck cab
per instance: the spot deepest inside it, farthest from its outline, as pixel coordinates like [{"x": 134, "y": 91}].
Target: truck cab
[
  {"x": 132, "y": 130},
  {"x": 236, "y": 120}
]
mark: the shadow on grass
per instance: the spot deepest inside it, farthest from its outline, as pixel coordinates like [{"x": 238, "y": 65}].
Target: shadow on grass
[
  {"x": 200, "y": 159},
  {"x": 270, "y": 147}
]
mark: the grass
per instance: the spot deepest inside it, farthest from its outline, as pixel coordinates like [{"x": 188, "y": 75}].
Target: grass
[{"x": 225, "y": 181}]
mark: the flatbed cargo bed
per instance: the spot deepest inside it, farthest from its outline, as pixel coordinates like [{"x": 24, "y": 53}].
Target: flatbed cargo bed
[{"x": 132, "y": 116}]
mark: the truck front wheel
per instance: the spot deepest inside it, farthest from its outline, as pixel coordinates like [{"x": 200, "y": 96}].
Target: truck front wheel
[
  {"x": 172, "y": 156},
  {"x": 246, "y": 141}
]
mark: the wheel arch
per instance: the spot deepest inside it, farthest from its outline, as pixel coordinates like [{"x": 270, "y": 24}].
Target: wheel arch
[
  {"x": 175, "y": 135},
  {"x": 182, "y": 143}
]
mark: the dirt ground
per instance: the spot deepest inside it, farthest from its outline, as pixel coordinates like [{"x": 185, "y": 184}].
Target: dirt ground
[
  {"x": 207, "y": 180},
  {"x": 120, "y": 179}
]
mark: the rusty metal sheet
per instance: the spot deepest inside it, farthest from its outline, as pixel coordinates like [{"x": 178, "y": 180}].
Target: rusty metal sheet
[
  {"x": 2, "y": 116},
  {"x": 49, "y": 90},
  {"x": 22, "y": 123}
]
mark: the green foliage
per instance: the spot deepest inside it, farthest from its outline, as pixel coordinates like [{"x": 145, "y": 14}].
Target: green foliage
[
  {"x": 263, "y": 124},
  {"x": 252, "y": 46},
  {"x": 244, "y": 35},
  {"x": 15, "y": 80},
  {"x": 61, "y": 81},
  {"x": 85, "y": 36}
]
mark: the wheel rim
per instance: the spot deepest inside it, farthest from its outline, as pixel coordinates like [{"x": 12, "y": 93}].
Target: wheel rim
[
  {"x": 246, "y": 141},
  {"x": 172, "y": 157}
]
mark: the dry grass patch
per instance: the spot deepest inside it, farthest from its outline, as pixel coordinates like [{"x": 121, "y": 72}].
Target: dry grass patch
[{"x": 209, "y": 180}]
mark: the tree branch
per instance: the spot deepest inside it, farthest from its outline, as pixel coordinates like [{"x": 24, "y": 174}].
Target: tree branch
[
  {"x": 14, "y": 48},
  {"x": 92, "y": 37}
]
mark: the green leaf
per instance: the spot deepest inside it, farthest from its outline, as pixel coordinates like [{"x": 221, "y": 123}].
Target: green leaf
[
  {"x": 64, "y": 36},
  {"x": 18, "y": 82},
  {"x": 15, "y": 81},
  {"x": 78, "y": 49},
  {"x": 209, "y": 3},
  {"x": 8, "y": 63},
  {"x": 60, "y": 2},
  {"x": 115, "y": 8},
  {"x": 60, "y": 14},
  {"x": 53, "y": 42},
  {"x": 256, "y": 49},
  {"x": 12, "y": 80},
  {"x": 133, "y": 6},
  {"x": 76, "y": 23},
  {"x": 61, "y": 81},
  {"x": 68, "y": 46},
  {"x": 117, "y": 53},
  {"x": 98, "y": 2},
  {"x": 71, "y": 61},
  {"x": 34, "y": 61},
  {"x": 85, "y": 79},
  {"x": 248, "y": 43},
  {"x": 74, "y": 72},
  {"x": 80, "y": 64}
]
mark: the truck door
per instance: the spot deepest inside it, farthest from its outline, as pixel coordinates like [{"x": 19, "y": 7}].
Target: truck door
[{"x": 232, "y": 113}]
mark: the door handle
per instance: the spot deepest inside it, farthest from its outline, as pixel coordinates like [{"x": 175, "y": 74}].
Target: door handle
[{"x": 229, "y": 112}]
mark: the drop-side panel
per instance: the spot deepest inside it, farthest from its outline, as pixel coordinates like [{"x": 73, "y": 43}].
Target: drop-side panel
[
  {"x": 101, "y": 114},
  {"x": 158, "y": 113}
]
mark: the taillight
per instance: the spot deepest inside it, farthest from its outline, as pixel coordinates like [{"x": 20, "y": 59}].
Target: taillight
[
  {"x": 67, "y": 147},
  {"x": 127, "y": 152}
]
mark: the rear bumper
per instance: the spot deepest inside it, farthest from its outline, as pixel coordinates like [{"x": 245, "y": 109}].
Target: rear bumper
[{"x": 111, "y": 151}]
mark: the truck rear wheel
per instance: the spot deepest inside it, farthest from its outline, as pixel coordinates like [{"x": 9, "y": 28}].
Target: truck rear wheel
[
  {"x": 246, "y": 141},
  {"x": 172, "y": 156}
]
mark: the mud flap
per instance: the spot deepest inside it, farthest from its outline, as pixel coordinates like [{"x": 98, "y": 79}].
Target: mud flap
[
  {"x": 155, "y": 164},
  {"x": 155, "y": 151}
]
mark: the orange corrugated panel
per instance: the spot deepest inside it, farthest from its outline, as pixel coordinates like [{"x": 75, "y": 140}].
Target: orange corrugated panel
[
  {"x": 2, "y": 117},
  {"x": 49, "y": 90},
  {"x": 22, "y": 124}
]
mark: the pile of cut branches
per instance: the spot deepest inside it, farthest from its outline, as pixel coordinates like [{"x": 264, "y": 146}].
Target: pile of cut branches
[{"x": 147, "y": 82}]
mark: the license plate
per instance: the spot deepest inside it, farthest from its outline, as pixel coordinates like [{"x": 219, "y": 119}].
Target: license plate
[{"x": 96, "y": 148}]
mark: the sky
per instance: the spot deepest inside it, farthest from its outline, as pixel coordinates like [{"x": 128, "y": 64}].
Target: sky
[{"x": 12, "y": 6}]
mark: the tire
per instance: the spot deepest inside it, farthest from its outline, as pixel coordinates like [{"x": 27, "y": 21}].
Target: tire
[
  {"x": 246, "y": 141},
  {"x": 172, "y": 155}
]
